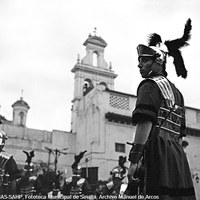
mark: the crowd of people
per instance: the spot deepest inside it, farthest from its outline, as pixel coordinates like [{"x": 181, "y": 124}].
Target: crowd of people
[{"x": 50, "y": 184}]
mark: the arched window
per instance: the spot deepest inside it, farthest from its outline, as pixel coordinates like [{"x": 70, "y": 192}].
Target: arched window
[
  {"x": 95, "y": 58},
  {"x": 87, "y": 86},
  {"x": 103, "y": 83},
  {"x": 21, "y": 118}
]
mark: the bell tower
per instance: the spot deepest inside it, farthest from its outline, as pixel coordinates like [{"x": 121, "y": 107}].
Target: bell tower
[
  {"x": 91, "y": 71},
  {"x": 20, "y": 111}
]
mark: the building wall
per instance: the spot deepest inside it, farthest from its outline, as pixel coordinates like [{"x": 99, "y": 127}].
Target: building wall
[
  {"x": 193, "y": 118},
  {"x": 193, "y": 155},
  {"x": 193, "y": 150},
  {"x": 23, "y": 138},
  {"x": 95, "y": 134}
]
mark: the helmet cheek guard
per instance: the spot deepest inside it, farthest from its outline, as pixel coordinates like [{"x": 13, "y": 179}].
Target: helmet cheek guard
[
  {"x": 29, "y": 167},
  {"x": 77, "y": 170}
]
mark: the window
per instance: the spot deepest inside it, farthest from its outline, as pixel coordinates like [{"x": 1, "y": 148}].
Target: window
[
  {"x": 21, "y": 118},
  {"x": 119, "y": 147},
  {"x": 197, "y": 117},
  {"x": 119, "y": 102},
  {"x": 91, "y": 174},
  {"x": 87, "y": 86},
  {"x": 95, "y": 58}
]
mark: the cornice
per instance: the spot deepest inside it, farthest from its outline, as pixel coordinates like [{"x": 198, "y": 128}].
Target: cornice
[{"x": 94, "y": 70}]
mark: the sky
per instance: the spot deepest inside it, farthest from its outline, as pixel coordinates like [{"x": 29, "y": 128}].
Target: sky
[{"x": 40, "y": 41}]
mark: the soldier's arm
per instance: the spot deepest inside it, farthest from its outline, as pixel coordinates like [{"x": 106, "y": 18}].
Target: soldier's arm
[{"x": 142, "y": 132}]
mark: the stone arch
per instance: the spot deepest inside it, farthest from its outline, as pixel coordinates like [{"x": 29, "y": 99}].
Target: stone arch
[
  {"x": 104, "y": 84},
  {"x": 95, "y": 56},
  {"x": 87, "y": 86},
  {"x": 21, "y": 118}
]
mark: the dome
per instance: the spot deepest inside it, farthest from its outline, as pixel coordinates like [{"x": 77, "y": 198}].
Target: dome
[
  {"x": 21, "y": 102},
  {"x": 95, "y": 40}
]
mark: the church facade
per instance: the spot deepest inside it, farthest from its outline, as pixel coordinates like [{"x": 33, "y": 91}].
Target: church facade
[{"x": 100, "y": 123}]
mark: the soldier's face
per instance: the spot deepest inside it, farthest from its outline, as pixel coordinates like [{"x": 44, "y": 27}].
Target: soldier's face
[
  {"x": 145, "y": 64},
  {"x": 149, "y": 67}
]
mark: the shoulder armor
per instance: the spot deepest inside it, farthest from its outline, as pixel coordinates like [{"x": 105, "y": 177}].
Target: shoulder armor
[
  {"x": 110, "y": 185},
  {"x": 80, "y": 181},
  {"x": 32, "y": 178},
  {"x": 68, "y": 180},
  {"x": 5, "y": 155},
  {"x": 165, "y": 89}
]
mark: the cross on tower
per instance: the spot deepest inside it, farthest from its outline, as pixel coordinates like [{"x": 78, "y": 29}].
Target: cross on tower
[
  {"x": 95, "y": 30},
  {"x": 22, "y": 93}
]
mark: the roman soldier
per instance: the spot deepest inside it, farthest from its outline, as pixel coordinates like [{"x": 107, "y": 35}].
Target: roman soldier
[
  {"x": 76, "y": 185},
  {"x": 28, "y": 184},
  {"x": 116, "y": 185},
  {"x": 159, "y": 116},
  {"x": 8, "y": 169}
]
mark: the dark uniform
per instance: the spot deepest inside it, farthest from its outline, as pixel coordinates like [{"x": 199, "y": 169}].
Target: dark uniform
[
  {"x": 160, "y": 117},
  {"x": 8, "y": 169},
  {"x": 116, "y": 185},
  {"x": 28, "y": 184},
  {"x": 76, "y": 185},
  {"x": 167, "y": 167}
]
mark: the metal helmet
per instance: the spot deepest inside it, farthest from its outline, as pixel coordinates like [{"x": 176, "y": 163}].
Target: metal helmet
[
  {"x": 120, "y": 170},
  {"x": 117, "y": 172},
  {"x": 77, "y": 170},
  {"x": 29, "y": 167},
  {"x": 154, "y": 52},
  {"x": 3, "y": 138}
]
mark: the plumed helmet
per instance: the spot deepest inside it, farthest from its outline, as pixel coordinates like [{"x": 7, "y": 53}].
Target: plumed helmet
[
  {"x": 159, "y": 51},
  {"x": 76, "y": 169},
  {"x": 120, "y": 170},
  {"x": 116, "y": 172},
  {"x": 154, "y": 52},
  {"x": 29, "y": 167},
  {"x": 3, "y": 138}
]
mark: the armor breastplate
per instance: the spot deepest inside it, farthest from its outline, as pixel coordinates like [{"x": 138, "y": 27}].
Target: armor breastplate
[
  {"x": 27, "y": 190},
  {"x": 170, "y": 119},
  {"x": 4, "y": 177},
  {"x": 77, "y": 188},
  {"x": 27, "y": 187},
  {"x": 170, "y": 115},
  {"x": 4, "y": 157}
]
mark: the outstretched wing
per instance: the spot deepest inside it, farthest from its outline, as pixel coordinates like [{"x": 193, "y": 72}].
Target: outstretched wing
[
  {"x": 174, "y": 49},
  {"x": 27, "y": 155},
  {"x": 154, "y": 39},
  {"x": 78, "y": 158}
]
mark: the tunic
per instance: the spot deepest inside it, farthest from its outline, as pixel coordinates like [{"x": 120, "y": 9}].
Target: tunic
[
  {"x": 28, "y": 185},
  {"x": 9, "y": 169},
  {"x": 168, "y": 173},
  {"x": 76, "y": 185}
]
